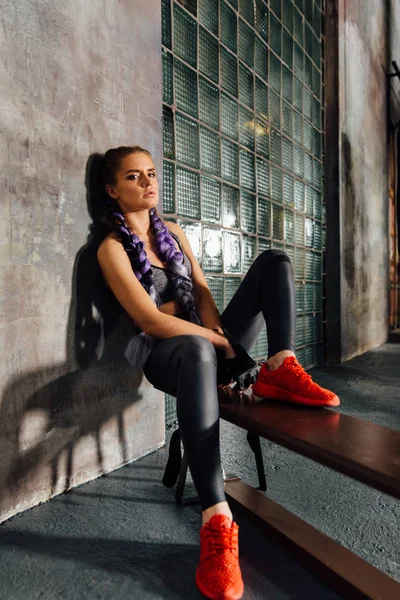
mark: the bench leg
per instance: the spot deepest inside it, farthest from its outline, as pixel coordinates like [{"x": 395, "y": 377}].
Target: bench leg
[
  {"x": 254, "y": 443},
  {"x": 182, "y": 479}
]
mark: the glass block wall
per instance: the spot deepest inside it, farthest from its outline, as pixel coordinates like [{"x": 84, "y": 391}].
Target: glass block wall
[{"x": 243, "y": 144}]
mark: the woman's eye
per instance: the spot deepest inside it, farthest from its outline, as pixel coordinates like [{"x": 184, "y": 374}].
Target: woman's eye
[
  {"x": 132, "y": 177},
  {"x": 152, "y": 174}
]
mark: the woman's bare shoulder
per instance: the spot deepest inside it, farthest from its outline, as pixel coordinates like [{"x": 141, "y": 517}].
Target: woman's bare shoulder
[{"x": 109, "y": 245}]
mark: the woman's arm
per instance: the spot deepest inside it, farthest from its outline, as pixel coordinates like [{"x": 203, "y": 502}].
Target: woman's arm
[
  {"x": 117, "y": 271},
  {"x": 205, "y": 304}
]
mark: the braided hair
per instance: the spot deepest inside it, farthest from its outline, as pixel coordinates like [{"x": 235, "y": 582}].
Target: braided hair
[{"x": 134, "y": 247}]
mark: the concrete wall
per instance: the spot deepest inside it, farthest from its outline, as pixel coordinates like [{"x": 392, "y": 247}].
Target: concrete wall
[
  {"x": 363, "y": 163},
  {"x": 394, "y": 54},
  {"x": 76, "y": 78}
]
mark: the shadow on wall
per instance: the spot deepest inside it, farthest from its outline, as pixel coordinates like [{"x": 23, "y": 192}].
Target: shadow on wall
[{"x": 44, "y": 415}]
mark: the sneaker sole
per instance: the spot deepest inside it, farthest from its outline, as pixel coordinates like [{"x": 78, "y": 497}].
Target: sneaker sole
[
  {"x": 271, "y": 392},
  {"x": 222, "y": 596}
]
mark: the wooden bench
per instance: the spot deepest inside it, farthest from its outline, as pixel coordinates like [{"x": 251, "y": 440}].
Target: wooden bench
[{"x": 364, "y": 451}]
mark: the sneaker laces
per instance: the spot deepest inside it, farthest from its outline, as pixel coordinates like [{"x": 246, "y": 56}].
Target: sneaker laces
[{"x": 222, "y": 539}]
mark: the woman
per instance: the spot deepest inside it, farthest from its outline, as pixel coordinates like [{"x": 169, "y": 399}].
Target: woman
[{"x": 152, "y": 271}]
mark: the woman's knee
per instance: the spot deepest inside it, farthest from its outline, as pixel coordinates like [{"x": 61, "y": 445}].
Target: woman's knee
[
  {"x": 198, "y": 348},
  {"x": 272, "y": 257}
]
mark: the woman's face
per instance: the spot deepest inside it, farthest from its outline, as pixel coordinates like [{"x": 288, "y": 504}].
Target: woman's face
[{"x": 136, "y": 186}]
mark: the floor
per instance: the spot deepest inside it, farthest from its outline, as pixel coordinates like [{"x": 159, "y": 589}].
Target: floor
[{"x": 122, "y": 536}]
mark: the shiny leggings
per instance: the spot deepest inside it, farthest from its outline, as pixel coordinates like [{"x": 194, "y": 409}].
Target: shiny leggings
[{"x": 186, "y": 365}]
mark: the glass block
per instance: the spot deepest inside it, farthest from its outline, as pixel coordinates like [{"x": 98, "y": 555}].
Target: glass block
[
  {"x": 308, "y": 136},
  {"x": 309, "y": 264},
  {"x": 275, "y": 109},
  {"x": 300, "y": 356},
  {"x": 316, "y": 82},
  {"x": 316, "y": 50},
  {"x": 287, "y": 119},
  {"x": 277, "y": 222},
  {"x": 230, "y": 207},
  {"x": 298, "y": 94},
  {"x": 263, "y": 187},
  {"x": 249, "y": 252},
  {"x": 261, "y": 19},
  {"x": 229, "y": 116},
  {"x": 261, "y": 59},
  {"x": 229, "y": 75},
  {"x": 276, "y": 184},
  {"x": 308, "y": 71},
  {"x": 230, "y": 161},
  {"x": 299, "y": 285},
  {"x": 287, "y": 154},
  {"x": 208, "y": 15},
  {"x": 317, "y": 266},
  {"x": 262, "y": 137},
  {"x": 299, "y": 262},
  {"x": 287, "y": 49},
  {"x": 248, "y": 212},
  {"x": 264, "y": 217},
  {"x": 287, "y": 15},
  {"x": 276, "y": 147},
  {"x": 298, "y": 27},
  {"x": 299, "y": 4},
  {"x": 309, "y": 200},
  {"x": 261, "y": 98},
  {"x": 234, "y": 3},
  {"x": 168, "y": 88},
  {"x": 289, "y": 226},
  {"x": 187, "y": 193},
  {"x": 309, "y": 231},
  {"x": 168, "y": 133},
  {"x": 232, "y": 252},
  {"x": 263, "y": 344},
  {"x": 317, "y": 302},
  {"x": 246, "y": 43},
  {"x": 307, "y": 104},
  {"x": 275, "y": 33},
  {"x": 263, "y": 245},
  {"x": 232, "y": 284},
  {"x": 228, "y": 26},
  {"x": 210, "y": 197},
  {"x": 288, "y": 190},
  {"x": 308, "y": 35},
  {"x": 246, "y": 10},
  {"x": 187, "y": 141},
  {"x": 308, "y": 297},
  {"x": 316, "y": 20},
  {"x": 190, "y": 5},
  {"x": 316, "y": 114},
  {"x": 317, "y": 235},
  {"x": 317, "y": 174},
  {"x": 186, "y": 88},
  {"x": 193, "y": 234},
  {"x": 212, "y": 250},
  {"x": 208, "y": 103},
  {"x": 298, "y": 61},
  {"x": 299, "y": 196},
  {"x": 275, "y": 73},
  {"x": 246, "y": 128},
  {"x": 208, "y": 55},
  {"x": 216, "y": 285},
  {"x": 309, "y": 357},
  {"x": 317, "y": 143},
  {"x": 246, "y": 86},
  {"x": 247, "y": 171},
  {"x": 298, "y": 127},
  {"x": 275, "y": 5},
  {"x": 308, "y": 168},
  {"x": 185, "y": 36},
  {"x": 317, "y": 205},
  {"x": 287, "y": 85},
  {"x": 299, "y": 229},
  {"x": 168, "y": 197},
  {"x": 166, "y": 24},
  {"x": 289, "y": 249},
  {"x": 298, "y": 162},
  {"x": 299, "y": 331},
  {"x": 210, "y": 151}
]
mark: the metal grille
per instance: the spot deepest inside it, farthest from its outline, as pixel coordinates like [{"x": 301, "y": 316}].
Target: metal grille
[{"x": 243, "y": 144}]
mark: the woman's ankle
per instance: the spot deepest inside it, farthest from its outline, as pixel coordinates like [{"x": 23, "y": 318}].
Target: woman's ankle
[
  {"x": 275, "y": 361},
  {"x": 222, "y": 508}
]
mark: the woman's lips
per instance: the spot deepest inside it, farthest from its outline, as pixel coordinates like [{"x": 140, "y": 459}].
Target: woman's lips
[{"x": 149, "y": 194}]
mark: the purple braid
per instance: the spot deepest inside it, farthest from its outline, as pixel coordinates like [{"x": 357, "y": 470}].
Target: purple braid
[{"x": 173, "y": 258}]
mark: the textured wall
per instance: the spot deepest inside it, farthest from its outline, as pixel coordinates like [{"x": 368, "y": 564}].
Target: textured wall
[
  {"x": 76, "y": 78},
  {"x": 363, "y": 175},
  {"x": 394, "y": 54}
]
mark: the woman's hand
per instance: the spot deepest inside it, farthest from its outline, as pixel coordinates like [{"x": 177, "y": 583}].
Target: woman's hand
[{"x": 227, "y": 348}]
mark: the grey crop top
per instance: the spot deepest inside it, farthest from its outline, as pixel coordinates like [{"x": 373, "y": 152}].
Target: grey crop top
[{"x": 163, "y": 285}]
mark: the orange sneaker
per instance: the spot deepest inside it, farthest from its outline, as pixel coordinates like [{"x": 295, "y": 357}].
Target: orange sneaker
[
  {"x": 291, "y": 383},
  {"x": 218, "y": 575}
]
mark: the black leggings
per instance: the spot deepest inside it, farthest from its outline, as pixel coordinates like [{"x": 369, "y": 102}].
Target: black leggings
[{"x": 186, "y": 365}]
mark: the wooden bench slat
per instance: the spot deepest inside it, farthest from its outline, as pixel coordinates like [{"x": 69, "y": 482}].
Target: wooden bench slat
[
  {"x": 340, "y": 568},
  {"x": 365, "y": 451}
]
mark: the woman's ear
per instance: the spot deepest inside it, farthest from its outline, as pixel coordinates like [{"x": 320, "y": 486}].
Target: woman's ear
[{"x": 111, "y": 192}]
